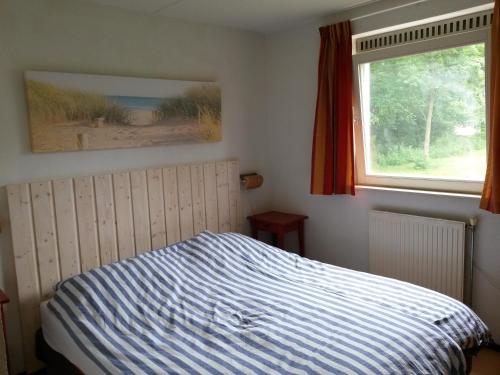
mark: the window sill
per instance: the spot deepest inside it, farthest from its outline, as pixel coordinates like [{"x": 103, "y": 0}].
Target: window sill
[{"x": 423, "y": 192}]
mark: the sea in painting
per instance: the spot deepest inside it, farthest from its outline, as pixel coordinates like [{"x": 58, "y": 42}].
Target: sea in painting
[{"x": 70, "y": 112}]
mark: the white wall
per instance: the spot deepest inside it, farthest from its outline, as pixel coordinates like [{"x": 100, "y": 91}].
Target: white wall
[
  {"x": 71, "y": 36},
  {"x": 337, "y": 229}
]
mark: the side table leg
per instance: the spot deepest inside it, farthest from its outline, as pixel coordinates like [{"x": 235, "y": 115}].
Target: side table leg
[
  {"x": 280, "y": 240},
  {"x": 255, "y": 231},
  {"x": 302, "y": 250}
]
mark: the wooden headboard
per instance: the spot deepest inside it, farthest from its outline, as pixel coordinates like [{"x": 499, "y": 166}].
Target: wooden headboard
[{"x": 66, "y": 226}]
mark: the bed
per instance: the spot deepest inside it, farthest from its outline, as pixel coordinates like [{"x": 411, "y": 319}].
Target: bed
[
  {"x": 210, "y": 300},
  {"x": 226, "y": 303}
]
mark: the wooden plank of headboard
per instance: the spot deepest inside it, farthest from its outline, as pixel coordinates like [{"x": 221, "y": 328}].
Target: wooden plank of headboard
[
  {"x": 185, "y": 201},
  {"x": 140, "y": 210},
  {"x": 87, "y": 222},
  {"x": 211, "y": 207},
  {"x": 198, "y": 193},
  {"x": 156, "y": 208},
  {"x": 45, "y": 236},
  {"x": 171, "y": 198},
  {"x": 65, "y": 226},
  {"x": 67, "y": 233},
  {"x": 124, "y": 218},
  {"x": 106, "y": 222},
  {"x": 233, "y": 171},
  {"x": 28, "y": 287},
  {"x": 223, "y": 197}
]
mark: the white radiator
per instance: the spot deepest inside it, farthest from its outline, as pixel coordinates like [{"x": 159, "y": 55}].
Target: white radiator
[{"x": 424, "y": 251}]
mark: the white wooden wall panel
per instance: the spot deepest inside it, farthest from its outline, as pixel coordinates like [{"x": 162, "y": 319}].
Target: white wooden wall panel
[
  {"x": 198, "y": 194},
  {"x": 66, "y": 226},
  {"x": 45, "y": 236},
  {"x": 223, "y": 197},
  {"x": 211, "y": 206},
  {"x": 87, "y": 222},
  {"x": 156, "y": 208},
  {"x": 67, "y": 233},
  {"x": 233, "y": 171},
  {"x": 185, "y": 201},
  {"x": 124, "y": 216},
  {"x": 28, "y": 287},
  {"x": 140, "y": 209},
  {"x": 106, "y": 219},
  {"x": 171, "y": 205}
]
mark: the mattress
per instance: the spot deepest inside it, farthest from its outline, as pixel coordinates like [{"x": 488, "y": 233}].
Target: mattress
[
  {"x": 219, "y": 304},
  {"x": 60, "y": 340}
]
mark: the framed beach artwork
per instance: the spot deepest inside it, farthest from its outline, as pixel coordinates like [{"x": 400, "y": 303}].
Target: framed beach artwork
[{"x": 70, "y": 112}]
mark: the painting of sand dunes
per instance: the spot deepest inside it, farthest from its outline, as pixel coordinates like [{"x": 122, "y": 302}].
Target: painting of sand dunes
[{"x": 70, "y": 112}]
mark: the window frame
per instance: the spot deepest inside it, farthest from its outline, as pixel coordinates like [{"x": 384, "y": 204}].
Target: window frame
[{"x": 413, "y": 182}]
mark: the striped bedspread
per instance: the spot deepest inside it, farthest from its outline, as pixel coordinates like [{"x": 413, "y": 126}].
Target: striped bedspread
[{"x": 227, "y": 304}]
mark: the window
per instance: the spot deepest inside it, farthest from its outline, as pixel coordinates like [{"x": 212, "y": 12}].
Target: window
[{"x": 423, "y": 114}]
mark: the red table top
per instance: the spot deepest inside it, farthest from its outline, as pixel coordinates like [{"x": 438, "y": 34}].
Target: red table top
[{"x": 275, "y": 217}]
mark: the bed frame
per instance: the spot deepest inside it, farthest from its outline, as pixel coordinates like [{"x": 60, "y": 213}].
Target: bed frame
[{"x": 66, "y": 226}]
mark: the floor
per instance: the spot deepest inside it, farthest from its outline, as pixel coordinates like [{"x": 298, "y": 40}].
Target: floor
[{"x": 486, "y": 363}]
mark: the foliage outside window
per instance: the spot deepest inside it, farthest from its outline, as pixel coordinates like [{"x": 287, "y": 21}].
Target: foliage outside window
[{"x": 424, "y": 115}]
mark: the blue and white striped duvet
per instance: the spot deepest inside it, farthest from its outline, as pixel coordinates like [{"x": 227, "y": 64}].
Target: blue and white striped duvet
[{"x": 221, "y": 304}]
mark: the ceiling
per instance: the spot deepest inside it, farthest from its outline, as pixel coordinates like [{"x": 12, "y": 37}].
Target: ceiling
[{"x": 257, "y": 15}]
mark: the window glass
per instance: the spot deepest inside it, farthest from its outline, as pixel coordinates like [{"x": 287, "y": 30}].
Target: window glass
[{"x": 424, "y": 115}]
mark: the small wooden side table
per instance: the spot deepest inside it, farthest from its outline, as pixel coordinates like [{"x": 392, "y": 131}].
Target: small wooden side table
[{"x": 279, "y": 223}]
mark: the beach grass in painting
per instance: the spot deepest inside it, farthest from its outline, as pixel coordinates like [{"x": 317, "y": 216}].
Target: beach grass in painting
[{"x": 70, "y": 112}]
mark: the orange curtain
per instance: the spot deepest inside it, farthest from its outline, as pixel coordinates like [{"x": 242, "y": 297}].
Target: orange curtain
[
  {"x": 491, "y": 193},
  {"x": 333, "y": 146}
]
